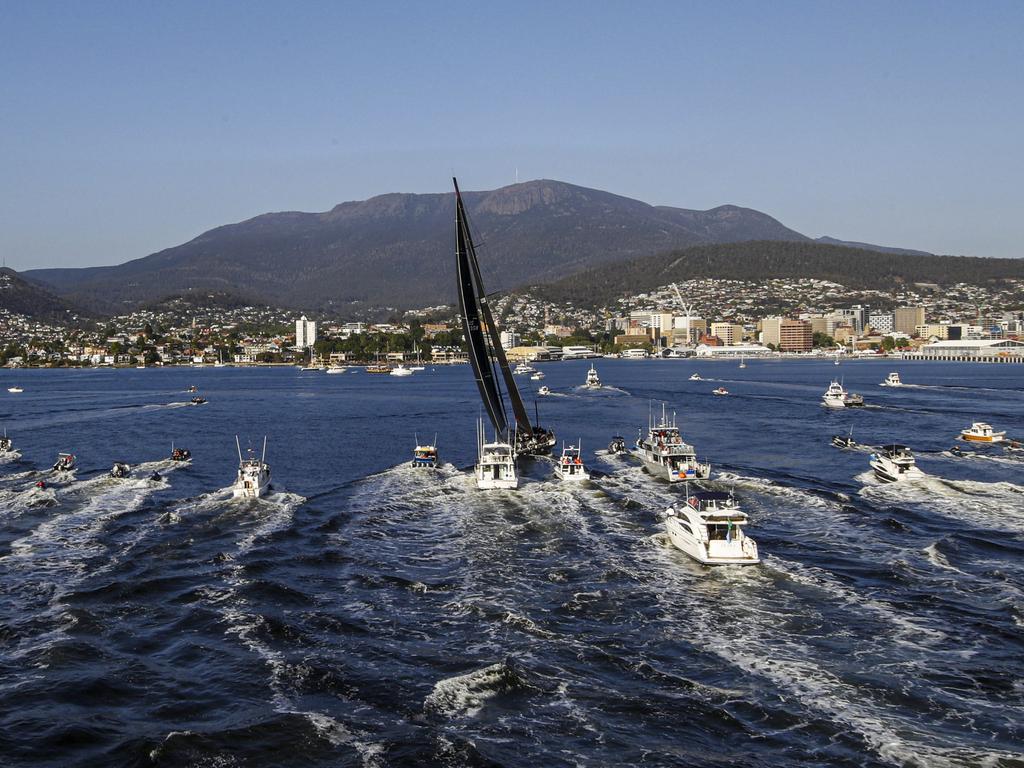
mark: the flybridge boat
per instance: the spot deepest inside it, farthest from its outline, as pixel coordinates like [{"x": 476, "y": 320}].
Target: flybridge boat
[
  {"x": 665, "y": 455},
  {"x": 425, "y": 455},
  {"x": 486, "y": 355},
  {"x": 65, "y": 462},
  {"x": 524, "y": 368},
  {"x": 496, "y": 464},
  {"x": 892, "y": 380},
  {"x": 120, "y": 469},
  {"x": 253, "y": 478},
  {"x": 709, "y": 528},
  {"x": 835, "y": 396},
  {"x": 570, "y": 466},
  {"x": 593, "y": 380},
  {"x": 336, "y": 368},
  {"x": 980, "y": 432},
  {"x": 893, "y": 463}
]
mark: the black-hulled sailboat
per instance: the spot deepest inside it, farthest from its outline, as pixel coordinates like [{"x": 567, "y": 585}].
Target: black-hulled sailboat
[{"x": 490, "y": 366}]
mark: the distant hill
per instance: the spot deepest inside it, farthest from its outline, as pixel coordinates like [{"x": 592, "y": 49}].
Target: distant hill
[
  {"x": 763, "y": 260},
  {"x": 870, "y": 247},
  {"x": 24, "y": 297},
  {"x": 397, "y": 249}
]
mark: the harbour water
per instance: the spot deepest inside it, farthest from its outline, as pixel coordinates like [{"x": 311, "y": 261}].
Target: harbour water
[{"x": 368, "y": 613}]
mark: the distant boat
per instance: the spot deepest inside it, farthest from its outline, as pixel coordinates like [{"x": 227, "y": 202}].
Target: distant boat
[
  {"x": 65, "y": 462},
  {"x": 496, "y": 465},
  {"x": 6, "y": 444},
  {"x": 835, "y": 396},
  {"x": 743, "y": 362},
  {"x": 892, "y": 380},
  {"x": 894, "y": 463},
  {"x": 538, "y": 376},
  {"x": 180, "y": 454},
  {"x": 335, "y": 368},
  {"x": 253, "y": 479},
  {"x": 720, "y": 391},
  {"x": 401, "y": 370},
  {"x": 695, "y": 377},
  {"x": 544, "y": 390},
  {"x": 593, "y": 380},
  {"x": 524, "y": 368},
  {"x": 980, "y": 432},
  {"x": 664, "y": 453},
  {"x": 120, "y": 469},
  {"x": 425, "y": 455},
  {"x": 570, "y": 466},
  {"x": 15, "y": 390}
]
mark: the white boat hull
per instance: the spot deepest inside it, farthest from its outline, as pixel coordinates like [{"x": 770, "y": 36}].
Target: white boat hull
[
  {"x": 830, "y": 402},
  {"x": 490, "y": 483},
  {"x": 734, "y": 552},
  {"x": 662, "y": 471},
  {"x": 888, "y": 474},
  {"x": 251, "y": 490}
]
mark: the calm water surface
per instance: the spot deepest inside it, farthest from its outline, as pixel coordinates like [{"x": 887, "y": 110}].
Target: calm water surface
[{"x": 371, "y": 614}]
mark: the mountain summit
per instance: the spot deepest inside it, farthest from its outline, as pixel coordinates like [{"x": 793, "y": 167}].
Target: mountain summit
[{"x": 396, "y": 249}]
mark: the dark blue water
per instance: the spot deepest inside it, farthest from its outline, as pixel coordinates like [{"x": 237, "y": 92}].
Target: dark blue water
[{"x": 371, "y": 614}]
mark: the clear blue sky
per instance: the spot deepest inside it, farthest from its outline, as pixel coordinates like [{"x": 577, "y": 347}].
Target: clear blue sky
[{"x": 130, "y": 127}]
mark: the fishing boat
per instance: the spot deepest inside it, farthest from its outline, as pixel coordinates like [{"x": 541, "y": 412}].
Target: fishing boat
[
  {"x": 425, "y": 455},
  {"x": 486, "y": 355},
  {"x": 844, "y": 442},
  {"x": 544, "y": 390},
  {"x": 120, "y": 469},
  {"x": 720, "y": 391},
  {"x": 980, "y": 432},
  {"x": 892, "y": 380},
  {"x": 65, "y": 462},
  {"x": 695, "y": 377},
  {"x": 15, "y": 390},
  {"x": 709, "y": 528},
  {"x": 253, "y": 479},
  {"x": 593, "y": 380},
  {"x": 617, "y": 444},
  {"x": 835, "y": 396},
  {"x": 570, "y": 466},
  {"x": 180, "y": 454},
  {"x": 496, "y": 464},
  {"x": 665, "y": 455},
  {"x": 893, "y": 463}
]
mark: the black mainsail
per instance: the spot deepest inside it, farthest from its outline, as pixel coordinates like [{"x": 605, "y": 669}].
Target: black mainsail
[{"x": 484, "y": 341}]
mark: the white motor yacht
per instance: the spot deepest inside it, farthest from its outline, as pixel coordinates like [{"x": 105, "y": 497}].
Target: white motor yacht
[
  {"x": 892, "y": 380},
  {"x": 401, "y": 370},
  {"x": 835, "y": 396},
  {"x": 524, "y": 368},
  {"x": 709, "y": 528},
  {"x": 570, "y": 466},
  {"x": 496, "y": 464},
  {"x": 15, "y": 390},
  {"x": 334, "y": 368},
  {"x": 980, "y": 432},
  {"x": 893, "y": 463},
  {"x": 664, "y": 453},
  {"x": 537, "y": 376},
  {"x": 253, "y": 478},
  {"x": 695, "y": 377},
  {"x": 593, "y": 380}
]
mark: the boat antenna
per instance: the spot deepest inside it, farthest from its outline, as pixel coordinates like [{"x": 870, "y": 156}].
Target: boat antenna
[
  {"x": 264, "y": 456},
  {"x": 238, "y": 445}
]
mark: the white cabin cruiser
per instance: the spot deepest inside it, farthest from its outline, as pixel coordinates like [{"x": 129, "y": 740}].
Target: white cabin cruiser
[
  {"x": 496, "y": 464},
  {"x": 537, "y": 376},
  {"x": 709, "y": 528},
  {"x": 570, "y": 466},
  {"x": 835, "y": 396},
  {"x": 253, "y": 478},
  {"x": 401, "y": 370},
  {"x": 15, "y": 390},
  {"x": 893, "y": 463},
  {"x": 980, "y": 432},
  {"x": 695, "y": 377},
  {"x": 524, "y": 368},
  {"x": 892, "y": 380},
  {"x": 665, "y": 455},
  {"x": 334, "y": 368},
  {"x": 593, "y": 380}
]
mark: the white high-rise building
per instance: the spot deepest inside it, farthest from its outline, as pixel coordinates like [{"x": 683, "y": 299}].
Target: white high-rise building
[{"x": 305, "y": 333}]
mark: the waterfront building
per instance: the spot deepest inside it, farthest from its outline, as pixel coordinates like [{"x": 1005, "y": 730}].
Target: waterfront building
[
  {"x": 730, "y": 333},
  {"x": 305, "y": 333},
  {"x": 737, "y": 350},
  {"x": 975, "y": 350},
  {"x": 907, "y": 319},
  {"x": 689, "y": 330},
  {"x": 787, "y": 334}
]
